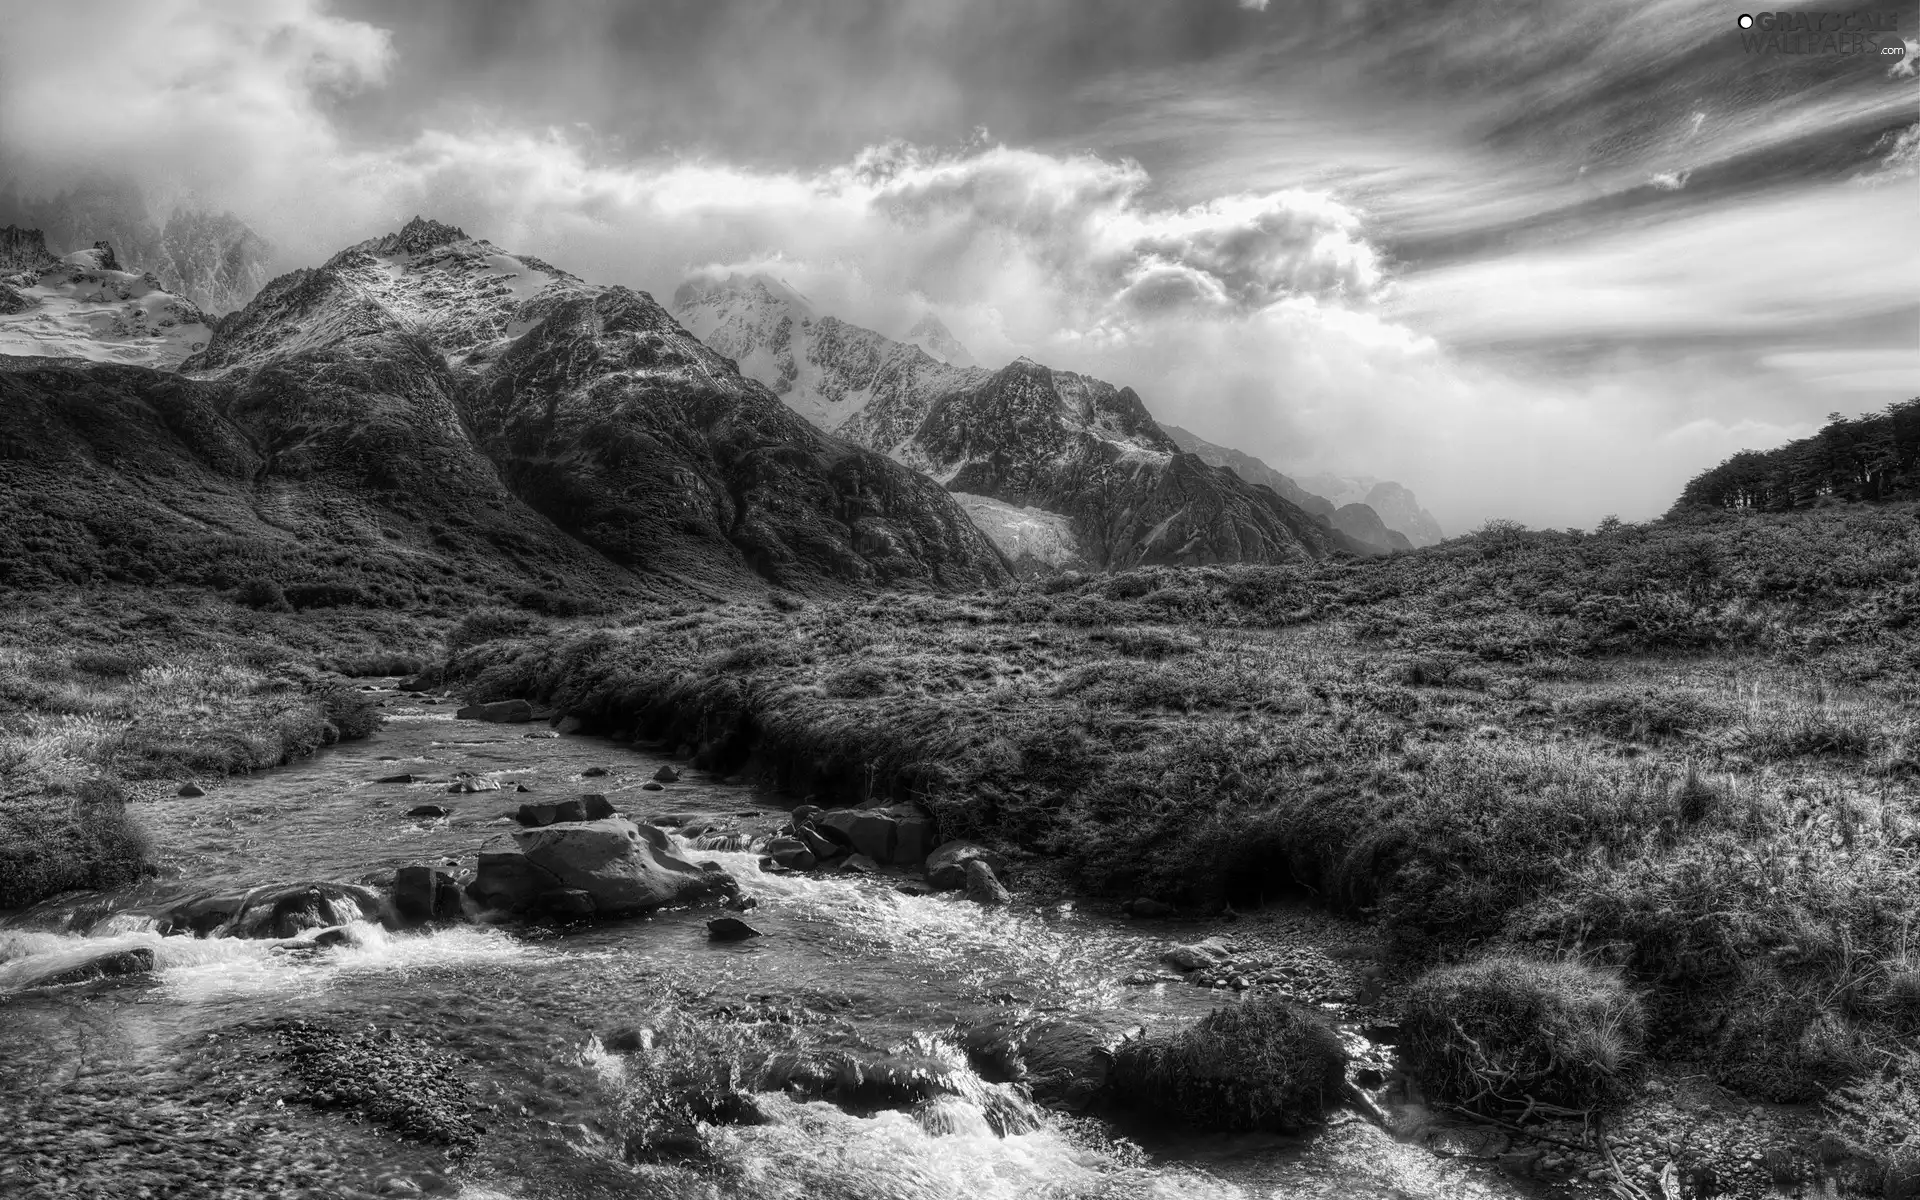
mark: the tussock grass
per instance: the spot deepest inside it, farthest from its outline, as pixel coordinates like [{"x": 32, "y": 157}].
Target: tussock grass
[
  {"x": 104, "y": 690},
  {"x": 1263, "y": 1064},
  {"x": 1507, "y": 1035}
]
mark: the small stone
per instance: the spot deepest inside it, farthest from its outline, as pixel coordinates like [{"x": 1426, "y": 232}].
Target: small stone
[
  {"x": 394, "y": 779},
  {"x": 730, "y": 929},
  {"x": 541, "y": 733},
  {"x": 191, "y": 790},
  {"x": 666, "y": 774},
  {"x": 593, "y": 772},
  {"x": 429, "y": 810},
  {"x": 651, "y": 786}
]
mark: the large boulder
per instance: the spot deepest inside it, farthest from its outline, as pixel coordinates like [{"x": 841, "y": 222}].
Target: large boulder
[
  {"x": 551, "y": 813},
  {"x": 887, "y": 835},
  {"x": 506, "y": 882},
  {"x": 625, "y": 867},
  {"x": 514, "y": 712},
  {"x": 791, "y": 853},
  {"x": 274, "y": 911},
  {"x": 83, "y": 966},
  {"x": 422, "y": 894},
  {"x": 947, "y": 865},
  {"x": 982, "y": 886}
]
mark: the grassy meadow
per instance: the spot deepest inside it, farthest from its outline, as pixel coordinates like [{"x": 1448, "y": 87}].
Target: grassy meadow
[{"x": 1681, "y": 754}]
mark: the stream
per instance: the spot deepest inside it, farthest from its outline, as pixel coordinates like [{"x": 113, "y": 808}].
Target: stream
[{"x": 171, "y": 1083}]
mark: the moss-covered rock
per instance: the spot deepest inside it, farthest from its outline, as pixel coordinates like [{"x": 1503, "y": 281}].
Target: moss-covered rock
[
  {"x": 1264, "y": 1064},
  {"x": 1505, "y": 1032}
]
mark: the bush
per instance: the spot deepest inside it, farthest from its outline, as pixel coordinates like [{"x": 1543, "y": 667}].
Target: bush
[
  {"x": 1265, "y": 1064},
  {"x": 326, "y": 593},
  {"x": 857, "y": 682},
  {"x": 352, "y": 713},
  {"x": 368, "y": 666},
  {"x": 1877, "y": 1119},
  {"x": 53, "y": 844},
  {"x": 1506, "y": 1033},
  {"x": 489, "y": 625},
  {"x": 262, "y": 594}
]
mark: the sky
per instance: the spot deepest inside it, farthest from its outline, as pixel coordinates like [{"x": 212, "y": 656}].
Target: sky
[{"x": 1536, "y": 259}]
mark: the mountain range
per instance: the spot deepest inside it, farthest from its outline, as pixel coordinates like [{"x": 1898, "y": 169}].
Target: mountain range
[
  {"x": 213, "y": 260},
  {"x": 428, "y": 414},
  {"x": 1061, "y": 469},
  {"x": 425, "y": 412}
]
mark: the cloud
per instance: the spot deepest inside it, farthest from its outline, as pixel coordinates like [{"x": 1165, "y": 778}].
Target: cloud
[
  {"x": 228, "y": 95},
  {"x": 1254, "y": 5},
  {"x": 1553, "y": 380}
]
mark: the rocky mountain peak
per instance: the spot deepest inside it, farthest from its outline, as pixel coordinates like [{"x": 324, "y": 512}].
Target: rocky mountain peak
[
  {"x": 419, "y": 236},
  {"x": 84, "y": 306},
  {"x": 931, "y": 334},
  {"x": 23, "y": 250}
]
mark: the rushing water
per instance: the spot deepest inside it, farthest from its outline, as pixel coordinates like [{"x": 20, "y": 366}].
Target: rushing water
[{"x": 170, "y": 1083}]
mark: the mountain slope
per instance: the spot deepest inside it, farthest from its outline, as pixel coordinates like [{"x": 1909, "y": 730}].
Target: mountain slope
[
  {"x": 213, "y": 260},
  {"x": 84, "y": 306},
  {"x": 1388, "y": 504},
  {"x": 426, "y": 413},
  {"x": 610, "y": 420},
  {"x": 1060, "y": 468}
]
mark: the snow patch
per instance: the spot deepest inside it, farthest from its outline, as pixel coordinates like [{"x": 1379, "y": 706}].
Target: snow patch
[{"x": 1029, "y": 535}]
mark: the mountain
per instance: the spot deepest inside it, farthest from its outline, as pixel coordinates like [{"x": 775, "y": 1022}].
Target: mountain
[
  {"x": 427, "y": 413},
  {"x": 931, "y": 335},
  {"x": 84, "y": 306},
  {"x": 1251, "y": 469},
  {"x": 1355, "y": 519},
  {"x": 1395, "y": 504},
  {"x": 1060, "y": 469},
  {"x": 213, "y": 260}
]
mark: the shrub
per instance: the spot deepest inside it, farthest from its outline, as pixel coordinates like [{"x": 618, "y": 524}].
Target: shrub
[
  {"x": 350, "y": 712},
  {"x": 367, "y": 666},
  {"x": 1507, "y": 1033},
  {"x": 262, "y": 594},
  {"x": 54, "y": 844},
  {"x": 326, "y": 593},
  {"x": 858, "y": 681},
  {"x": 488, "y": 624},
  {"x": 1641, "y": 717},
  {"x": 1265, "y": 1064},
  {"x": 1877, "y": 1117}
]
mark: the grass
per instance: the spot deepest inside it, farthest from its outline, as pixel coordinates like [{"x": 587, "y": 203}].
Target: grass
[
  {"x": 1513, "y": 1035},
  {"x": 1264, "y": 1064},
  {"x": 1682, "y": 752},
  {"x": 104, "y": 695}
]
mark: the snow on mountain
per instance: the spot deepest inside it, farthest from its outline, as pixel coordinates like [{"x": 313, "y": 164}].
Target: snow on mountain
[
  {"x": 84, "y": 306},
  {"x": 466, "y": 296},
  {"x": 1035, "y": 541},
  {"x": 823, "y": 368},
  {"x": 1057, "y": 466},
  {"x": 212, "y": 259}
]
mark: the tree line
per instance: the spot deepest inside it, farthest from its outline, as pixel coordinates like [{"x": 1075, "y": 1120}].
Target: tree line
[{"x": 1875, "y": 456}]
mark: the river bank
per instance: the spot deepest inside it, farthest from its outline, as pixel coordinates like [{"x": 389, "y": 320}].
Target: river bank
[{"x": 177, "y": 1080}]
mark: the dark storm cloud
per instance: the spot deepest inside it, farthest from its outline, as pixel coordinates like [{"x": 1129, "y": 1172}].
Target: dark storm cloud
[{"x": 785, "y": 82}]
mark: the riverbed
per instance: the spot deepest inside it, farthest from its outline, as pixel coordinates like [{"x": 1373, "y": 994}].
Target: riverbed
[{"x": 173, "y": 1082}]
